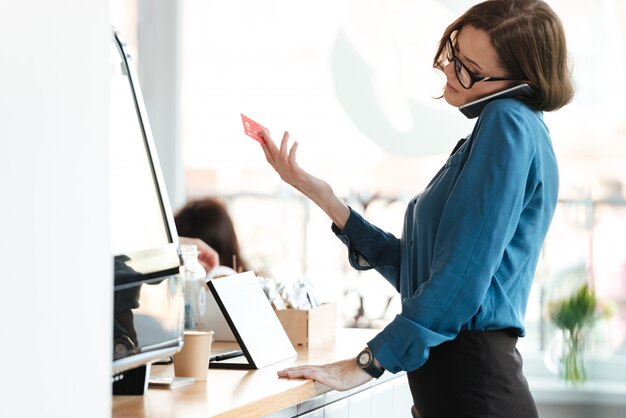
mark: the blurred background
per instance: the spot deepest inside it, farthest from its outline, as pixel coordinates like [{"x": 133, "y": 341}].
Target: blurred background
[{"x": 352, "y": 81}]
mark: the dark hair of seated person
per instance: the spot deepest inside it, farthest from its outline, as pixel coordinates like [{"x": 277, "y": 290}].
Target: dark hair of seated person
[{"x": 208, "y": 220}]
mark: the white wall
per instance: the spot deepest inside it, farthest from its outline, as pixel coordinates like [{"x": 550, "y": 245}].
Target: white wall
[{"x": 55, "y": 277}]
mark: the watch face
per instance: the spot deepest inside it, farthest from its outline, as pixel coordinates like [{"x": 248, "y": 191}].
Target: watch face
[{"x": 364, "y": 358}]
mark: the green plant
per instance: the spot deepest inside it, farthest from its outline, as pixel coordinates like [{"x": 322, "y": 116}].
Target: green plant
[{"x": 575, "y": 316}]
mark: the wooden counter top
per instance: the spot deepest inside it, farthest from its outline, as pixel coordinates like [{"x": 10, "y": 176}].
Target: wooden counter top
[{"x": 242, "y": 393}]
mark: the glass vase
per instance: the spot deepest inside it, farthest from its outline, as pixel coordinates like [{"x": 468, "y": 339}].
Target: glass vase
[{"x": 572, "y": 367}]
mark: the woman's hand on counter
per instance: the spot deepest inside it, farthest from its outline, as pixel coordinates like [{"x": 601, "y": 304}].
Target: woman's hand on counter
[{"x": 341, "y": 375}]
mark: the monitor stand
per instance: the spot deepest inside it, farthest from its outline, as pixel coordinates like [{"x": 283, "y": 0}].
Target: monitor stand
[{"x": 132, "y": 382}]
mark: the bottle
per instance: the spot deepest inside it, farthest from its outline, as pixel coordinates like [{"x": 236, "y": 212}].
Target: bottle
[{"x": 194, "y": 276}]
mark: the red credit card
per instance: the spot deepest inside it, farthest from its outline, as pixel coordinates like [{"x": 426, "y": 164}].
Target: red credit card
[{"x": 252, "y": 129}]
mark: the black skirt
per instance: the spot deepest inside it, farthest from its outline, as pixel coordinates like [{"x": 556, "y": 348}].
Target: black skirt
[{"x": 476, "y": 375}]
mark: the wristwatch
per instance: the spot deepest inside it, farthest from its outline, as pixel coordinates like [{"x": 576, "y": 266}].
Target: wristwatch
[{"x": 365, "y": 360}]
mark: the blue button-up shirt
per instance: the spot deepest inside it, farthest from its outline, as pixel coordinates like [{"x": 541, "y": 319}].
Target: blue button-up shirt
[{"x": 471, "y": 239}]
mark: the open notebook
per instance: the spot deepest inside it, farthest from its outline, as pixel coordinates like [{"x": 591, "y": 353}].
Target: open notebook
[{"x": 253, "y": 322}]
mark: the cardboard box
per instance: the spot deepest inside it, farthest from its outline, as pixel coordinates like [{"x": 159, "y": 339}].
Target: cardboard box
[{"x": 309, "y": 327}]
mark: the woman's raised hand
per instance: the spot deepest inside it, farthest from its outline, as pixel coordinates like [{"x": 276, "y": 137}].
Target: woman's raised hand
[{"x": 283, "y": 160}]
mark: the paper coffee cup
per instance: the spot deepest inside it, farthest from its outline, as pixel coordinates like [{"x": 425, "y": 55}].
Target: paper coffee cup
[{"x": 193, "y": 359}]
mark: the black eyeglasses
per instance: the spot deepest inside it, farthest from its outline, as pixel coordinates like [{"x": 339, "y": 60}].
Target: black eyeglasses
[{"x": 463, "y": 74}]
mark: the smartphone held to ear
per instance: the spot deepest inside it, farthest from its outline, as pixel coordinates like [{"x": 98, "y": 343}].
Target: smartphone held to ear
[{"x": 473, "y": 109}]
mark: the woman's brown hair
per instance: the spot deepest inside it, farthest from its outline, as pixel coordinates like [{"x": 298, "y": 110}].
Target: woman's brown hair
[
  {"x": 209, "y": 220},
  {"x": 530, "y": 41}
]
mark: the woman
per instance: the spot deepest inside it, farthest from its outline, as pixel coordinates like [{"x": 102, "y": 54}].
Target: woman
[
  {"x": 208, "y": 220},
  {"x": 471, "y": 240}
]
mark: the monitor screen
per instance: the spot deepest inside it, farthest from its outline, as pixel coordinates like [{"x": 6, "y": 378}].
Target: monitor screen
[{"x": 148, "y": 291}]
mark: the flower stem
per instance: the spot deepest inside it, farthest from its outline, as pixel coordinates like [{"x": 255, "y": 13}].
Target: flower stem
[{"x": 573, "y": 363}]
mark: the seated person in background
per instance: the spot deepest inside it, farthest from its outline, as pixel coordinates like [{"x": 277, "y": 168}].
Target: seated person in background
[{"x": 208, "y": 220}]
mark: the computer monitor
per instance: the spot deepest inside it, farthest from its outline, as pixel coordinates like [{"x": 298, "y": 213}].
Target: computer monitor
[{"x": 148, "y": 312}]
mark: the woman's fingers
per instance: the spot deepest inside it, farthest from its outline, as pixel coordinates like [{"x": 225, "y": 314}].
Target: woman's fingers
[
  {"x": 269, "y": 148},
  {"x": 283, "y": 159},
  {"x": 267, "y": 138},
  {"x": 295, "y": 371},
  {"x": 264, "y": 133},
  {"x": 292, "y": 153},
  {"x": 321, "y": 374},
  {"x": 302, "y": 372},
  {"x": 283, "y": 144},
  {"x": 341, "y": 375}
]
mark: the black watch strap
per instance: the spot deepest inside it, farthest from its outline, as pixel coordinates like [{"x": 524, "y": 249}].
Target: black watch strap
[{"x": 365, "y": 360}]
